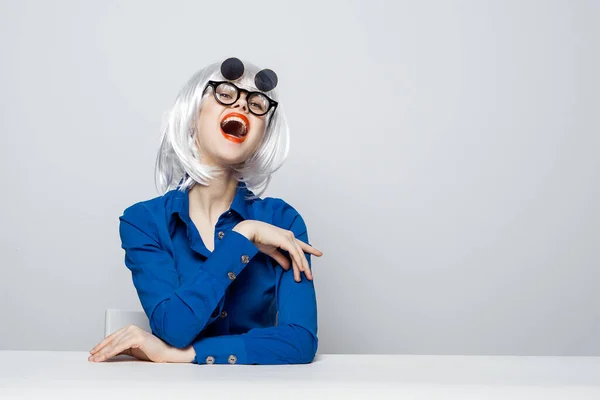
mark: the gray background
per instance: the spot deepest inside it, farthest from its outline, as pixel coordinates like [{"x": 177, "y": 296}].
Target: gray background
[{"x": 444, "y": 157}]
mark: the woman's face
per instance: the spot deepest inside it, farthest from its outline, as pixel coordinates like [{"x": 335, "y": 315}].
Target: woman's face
[{"x": 228, "y": 134}]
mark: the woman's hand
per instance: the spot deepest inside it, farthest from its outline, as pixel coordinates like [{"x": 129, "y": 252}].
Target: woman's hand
[
  {"x": 268, "y": 238},
  {"x": 133, "y": 341}
]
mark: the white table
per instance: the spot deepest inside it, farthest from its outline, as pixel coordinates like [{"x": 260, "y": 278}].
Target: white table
[{"x": 68, "y": 374}]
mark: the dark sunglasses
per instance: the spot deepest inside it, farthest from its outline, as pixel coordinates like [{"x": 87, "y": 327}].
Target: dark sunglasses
[{"x": 227, "y": 93}]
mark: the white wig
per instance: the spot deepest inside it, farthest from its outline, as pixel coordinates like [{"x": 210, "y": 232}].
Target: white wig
[{"x": 179, "y": 164}]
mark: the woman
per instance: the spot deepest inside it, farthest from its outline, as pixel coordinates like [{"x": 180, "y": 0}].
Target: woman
[{"x": 209, "y": 258}]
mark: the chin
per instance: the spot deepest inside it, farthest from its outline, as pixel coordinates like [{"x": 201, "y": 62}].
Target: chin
[
  {"x": 230, "y": 158},
  {"x": 226, "y": 152}
]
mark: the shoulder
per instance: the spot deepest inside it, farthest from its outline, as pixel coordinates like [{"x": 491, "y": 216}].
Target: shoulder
[
  {"x": 278, "y": 212},
  {"x": 147, "y": 215},
  {"x": 142, "y": 209}
]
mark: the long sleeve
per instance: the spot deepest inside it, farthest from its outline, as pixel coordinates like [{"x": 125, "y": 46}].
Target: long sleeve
[
  {"x": 293, "y": 341},
  {"x": 178, "y": 313}
]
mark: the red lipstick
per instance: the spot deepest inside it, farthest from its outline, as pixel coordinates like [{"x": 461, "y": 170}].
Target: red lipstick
[{"x": 235, "y": 127}]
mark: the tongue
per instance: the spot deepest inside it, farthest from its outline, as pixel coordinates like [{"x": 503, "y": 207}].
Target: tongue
[{"x": 234, "y": 128}]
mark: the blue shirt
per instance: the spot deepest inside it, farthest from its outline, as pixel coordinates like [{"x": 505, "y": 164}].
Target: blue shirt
[{"x": 234, "y": 304}]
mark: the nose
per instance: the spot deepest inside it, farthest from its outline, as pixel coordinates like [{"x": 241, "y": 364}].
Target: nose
[{"x": 241, "y": 102}]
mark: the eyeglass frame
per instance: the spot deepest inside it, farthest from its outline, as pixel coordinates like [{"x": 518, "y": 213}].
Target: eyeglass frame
[{"x": 214, "y": 84}]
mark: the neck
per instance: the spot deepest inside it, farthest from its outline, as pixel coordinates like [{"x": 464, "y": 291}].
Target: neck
[{"x": 209, "y": 202}]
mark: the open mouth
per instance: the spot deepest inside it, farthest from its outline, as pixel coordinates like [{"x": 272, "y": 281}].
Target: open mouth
[{"x": 235, "y": 127}]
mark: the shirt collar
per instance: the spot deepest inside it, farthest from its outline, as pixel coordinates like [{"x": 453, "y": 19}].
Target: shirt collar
[{"x": 179, "y": 203}]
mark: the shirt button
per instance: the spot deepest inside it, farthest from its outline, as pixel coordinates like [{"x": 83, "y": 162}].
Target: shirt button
[
  {"x": 231, "y": 275},
  {"x": 245, "y": 259},
  {"x": 228, "y": 213},
  {"x": 221, "y": 234},
  {"x": 232, "y": 359},
  {"x": 210, "y": 360},
  {"x": 223, "y": 314}
]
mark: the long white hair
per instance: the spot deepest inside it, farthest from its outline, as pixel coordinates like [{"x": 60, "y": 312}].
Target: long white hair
[{"x": 179, "y": 164}]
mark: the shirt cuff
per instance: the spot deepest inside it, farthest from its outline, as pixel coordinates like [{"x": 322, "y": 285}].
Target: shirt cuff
[
  {"x": 229, "y": 258},
  {"x": 228, "y": 349}
]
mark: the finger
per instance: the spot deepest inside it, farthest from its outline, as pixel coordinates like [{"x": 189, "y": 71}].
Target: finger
[
  {"x": 292, "y": 249},
  {"x": 281, "y": 259},
  {"x": 302, "y": 262},
  {"x": 126, "y": 352},
  {"x": 310, "y": 249},
  {"x": 107, "y": 340},
  {"x": 285, "y": 261},
  {"x": 103, "y": 349},
  {"x": 115, "y": 347},
  {"x": 305, "y": 266},
  {"x": 297, "y": 275}
]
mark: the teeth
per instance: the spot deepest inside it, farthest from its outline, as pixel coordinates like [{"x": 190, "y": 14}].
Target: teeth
[
  {"x": 234, "y": 126},
  {"x": 234, "y": 118}
]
